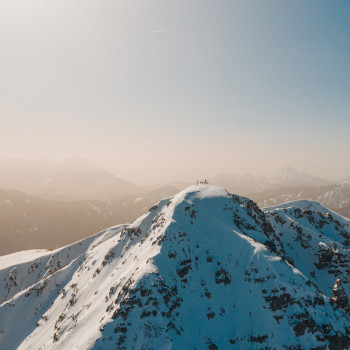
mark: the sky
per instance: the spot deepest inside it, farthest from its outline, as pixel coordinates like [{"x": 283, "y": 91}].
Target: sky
[{"x": 157, "y": 91}]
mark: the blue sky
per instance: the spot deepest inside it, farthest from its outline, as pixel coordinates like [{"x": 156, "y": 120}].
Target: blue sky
[{"x": 182, "y": 89}]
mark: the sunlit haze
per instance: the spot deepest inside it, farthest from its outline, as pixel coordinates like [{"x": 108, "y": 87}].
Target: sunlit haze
[{"x": 157, "y": 91}]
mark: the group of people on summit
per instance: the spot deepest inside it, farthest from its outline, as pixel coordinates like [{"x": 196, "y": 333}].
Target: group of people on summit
[{"x": 202, "y": 182}]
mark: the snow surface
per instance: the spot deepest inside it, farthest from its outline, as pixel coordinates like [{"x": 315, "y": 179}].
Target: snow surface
[{"x": 203, "y": 269}]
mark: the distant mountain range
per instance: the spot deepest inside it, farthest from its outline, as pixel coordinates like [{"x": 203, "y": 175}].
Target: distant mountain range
[
  {"x": 72, "y": 179},
  {"x": 81, "y": 179},
  {"x": 288, "y": 185},
  {"x": 203, "y": 269},
  {"x": 248, "y": 184},
  {"x": 335, "y": 196}
]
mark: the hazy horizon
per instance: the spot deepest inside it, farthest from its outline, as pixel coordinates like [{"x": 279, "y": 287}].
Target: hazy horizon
[
  {"x": 159, "y": 91},
  {"x": 73, "y": 161}
]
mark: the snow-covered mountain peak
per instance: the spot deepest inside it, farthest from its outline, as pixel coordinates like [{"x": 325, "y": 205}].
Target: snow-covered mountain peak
[
  {"x": 203, "y": 191},
  {"x": 199, "y": 270}
]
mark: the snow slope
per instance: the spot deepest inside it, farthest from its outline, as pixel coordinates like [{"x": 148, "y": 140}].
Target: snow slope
[
  {"x": 203, "y": 269},
  {"x": 316, "y": 240}
]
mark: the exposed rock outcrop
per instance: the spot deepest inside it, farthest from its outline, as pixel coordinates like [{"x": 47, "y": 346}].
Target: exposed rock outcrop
[{"x": 340, "y": 297}]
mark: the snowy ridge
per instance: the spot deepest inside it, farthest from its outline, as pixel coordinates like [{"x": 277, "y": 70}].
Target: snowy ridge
[
  {"x": 316, "y": 240},
  {"x": 21, "y": 270},
  {"x": 202, "y": 269}
]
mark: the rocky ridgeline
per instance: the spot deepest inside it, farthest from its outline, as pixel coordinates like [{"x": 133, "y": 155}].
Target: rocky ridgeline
[{"x": 203, "y": 269}]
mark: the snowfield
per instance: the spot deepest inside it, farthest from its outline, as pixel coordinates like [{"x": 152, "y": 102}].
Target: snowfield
[{"x": 203, "y": 269}]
